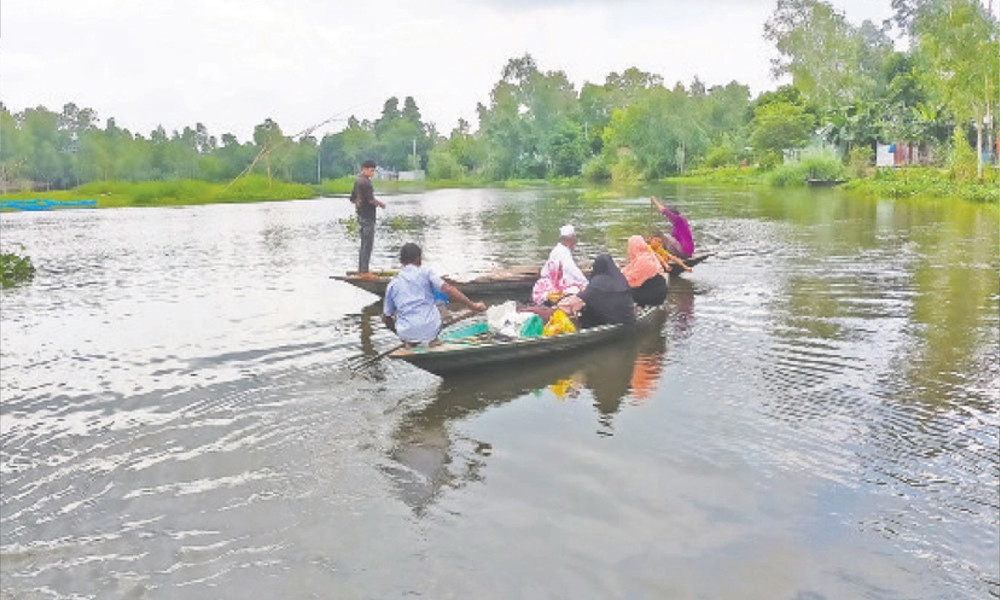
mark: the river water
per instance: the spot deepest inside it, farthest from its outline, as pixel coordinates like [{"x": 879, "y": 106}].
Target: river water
[{"x": 815, "y": 416}]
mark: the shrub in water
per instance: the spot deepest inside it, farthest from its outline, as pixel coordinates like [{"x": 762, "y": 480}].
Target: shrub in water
[{"x": 15, "y": 269}]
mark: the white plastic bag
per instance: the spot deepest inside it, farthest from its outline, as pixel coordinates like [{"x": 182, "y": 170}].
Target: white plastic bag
[
  {"x": 499, "y": 315},
  {"x": 505, "y": 321}
]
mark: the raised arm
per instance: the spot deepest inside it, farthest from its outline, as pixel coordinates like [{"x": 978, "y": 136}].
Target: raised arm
[{"x": 657, "y": 203}]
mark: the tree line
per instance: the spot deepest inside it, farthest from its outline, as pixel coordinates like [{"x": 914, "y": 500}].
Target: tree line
[{"x": 850, "y": 88}]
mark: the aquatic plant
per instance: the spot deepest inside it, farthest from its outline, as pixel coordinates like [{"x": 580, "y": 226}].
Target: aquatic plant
[{"x": 15, "y": 269}]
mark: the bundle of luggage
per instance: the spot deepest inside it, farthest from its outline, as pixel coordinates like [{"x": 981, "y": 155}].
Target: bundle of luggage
[{"x": 510, "y": 321}]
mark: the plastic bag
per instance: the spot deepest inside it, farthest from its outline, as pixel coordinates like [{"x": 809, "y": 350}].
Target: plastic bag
[
  {"x": 505, "y": 322},
  {"x": 532, "y": 327},
  {"x": 500, "y": 315},
  {"x": 559, "y": 323}
]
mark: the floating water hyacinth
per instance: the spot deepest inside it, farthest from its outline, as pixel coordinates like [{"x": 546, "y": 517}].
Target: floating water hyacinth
[{"x": 15, "y": 269}]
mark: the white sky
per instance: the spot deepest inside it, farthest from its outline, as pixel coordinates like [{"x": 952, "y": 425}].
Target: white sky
[{"x": 230, "y": 64}]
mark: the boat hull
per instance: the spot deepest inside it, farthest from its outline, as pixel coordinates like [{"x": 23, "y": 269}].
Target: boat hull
[
  {"x": 458, "y": 356},
  {"x": 513, "y": 283}
]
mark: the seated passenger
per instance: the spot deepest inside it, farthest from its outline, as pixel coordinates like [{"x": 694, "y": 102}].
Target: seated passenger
[
  {"x": 656, "y": 244},
  {"x": 410, "y": 307},
  {"x": 560, "y": 275},
  {"x": 606, "y": 299},
  {"x": 644, "y": 274}
]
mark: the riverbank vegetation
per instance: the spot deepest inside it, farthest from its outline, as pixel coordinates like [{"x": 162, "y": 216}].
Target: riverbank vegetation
[
  {"x": 15, "y": 268},
  {"x": 253, "y": 188},
  {"x": 852, "y": 95}
]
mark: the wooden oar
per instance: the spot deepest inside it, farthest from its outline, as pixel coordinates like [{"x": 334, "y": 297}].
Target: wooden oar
[
  {"x": 367, "y": 361},
  {"x": 649, "y": 220}
]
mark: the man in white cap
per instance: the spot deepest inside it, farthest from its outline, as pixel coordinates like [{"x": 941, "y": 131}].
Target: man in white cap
[{"x": 560, "y": 275}]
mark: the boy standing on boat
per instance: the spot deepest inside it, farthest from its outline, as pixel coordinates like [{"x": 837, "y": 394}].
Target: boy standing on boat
[
  {"x": 363, "y": 197},
  {"x": 410, "y": 307}
]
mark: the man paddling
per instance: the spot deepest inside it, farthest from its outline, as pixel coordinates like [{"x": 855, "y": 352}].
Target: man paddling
[{"x": 410, "y": 307}]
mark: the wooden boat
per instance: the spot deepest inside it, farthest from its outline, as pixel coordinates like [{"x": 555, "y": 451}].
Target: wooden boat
[
  {"x": 812, "y": 182},
  {"x": 695, "y": 259},
  {"x": 465, "y": 347},
  {"x": 511, "y": 283}
]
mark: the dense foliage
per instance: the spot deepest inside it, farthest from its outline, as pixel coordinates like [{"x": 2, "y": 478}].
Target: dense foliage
[
  {"x": 850, "y": 88},
  {"x": 15, "y": 268}
]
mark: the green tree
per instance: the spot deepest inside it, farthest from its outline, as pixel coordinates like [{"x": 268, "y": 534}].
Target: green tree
[
  {"x": 956, "y": 46},
  {"x": 532, "y": 127},
  {"x": 228, "y": 160},
  {"x": 836, "y": 66},
  {"x": 567, "y": 148},
  {"x": 641, "y": 139},
  {"x": 269, "y": 140},
  {"x": 301, "y": 160},
  {"x": 341, "y": 153},
  {"x": 40, "y": 131},
  {"x": 73, "y": 123},
  {"x": 505, "y": 134},
  {"x": 780, "y": 125},
  {"x": 11, "y": 153},
  {"x": 95, "y": 158}
]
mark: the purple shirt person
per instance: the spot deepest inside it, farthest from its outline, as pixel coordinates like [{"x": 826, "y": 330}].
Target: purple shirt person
[{"x": 679, "y": 241}]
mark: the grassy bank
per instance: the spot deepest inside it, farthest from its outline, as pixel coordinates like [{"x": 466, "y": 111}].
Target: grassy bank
[
  {"x": 175, "y": 193},
  {"x": 886, "y": 183},
  {"x": 922, "y": 181},
  {"x": 343, "y": 185}
]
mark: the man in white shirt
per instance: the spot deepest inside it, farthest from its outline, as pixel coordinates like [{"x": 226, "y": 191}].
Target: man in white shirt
[{"x": 560, "y": 273}]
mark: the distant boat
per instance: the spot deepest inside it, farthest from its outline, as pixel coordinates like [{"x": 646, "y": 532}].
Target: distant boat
[
  {"x": 45, "y": 204},
  {"x": 824, "y": 182}
]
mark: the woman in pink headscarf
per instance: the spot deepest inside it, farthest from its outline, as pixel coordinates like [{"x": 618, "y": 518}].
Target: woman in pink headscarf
[
  {"x": 679, "y": 241},
  {"x": 644, "y": 274}
]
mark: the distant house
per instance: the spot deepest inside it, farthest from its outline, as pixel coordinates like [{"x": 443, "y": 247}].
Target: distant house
[
  {"x": 816, "y": 147},
  {"x": 417, "y": 175},
  {"x": 901, "y": 154}
]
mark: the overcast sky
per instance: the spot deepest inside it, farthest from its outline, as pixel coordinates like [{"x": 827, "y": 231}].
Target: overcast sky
[{"x": 230, "y": 64}]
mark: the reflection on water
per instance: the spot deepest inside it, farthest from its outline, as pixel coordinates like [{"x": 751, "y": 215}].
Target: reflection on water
[
  {"x": 427, "y": 461},
  {"x": 817, "y": 415}
]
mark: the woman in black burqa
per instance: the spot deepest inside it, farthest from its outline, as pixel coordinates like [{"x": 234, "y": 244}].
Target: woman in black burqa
[{"x": 607, "y": 298}]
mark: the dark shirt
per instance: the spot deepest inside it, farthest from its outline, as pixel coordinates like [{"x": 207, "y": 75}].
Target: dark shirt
[{"x": 363, "y": 197}]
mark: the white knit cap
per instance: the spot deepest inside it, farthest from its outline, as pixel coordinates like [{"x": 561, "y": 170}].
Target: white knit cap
[{"x": 566, "y": 230}]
